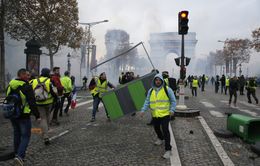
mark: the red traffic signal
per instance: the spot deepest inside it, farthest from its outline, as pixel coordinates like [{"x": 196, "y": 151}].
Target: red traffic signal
[{"x": 183, "y": 22}]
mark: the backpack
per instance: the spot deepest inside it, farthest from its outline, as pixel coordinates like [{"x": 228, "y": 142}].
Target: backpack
[
  {"x": 40, "y": 91},
  {"x": 12, "y": 105}
]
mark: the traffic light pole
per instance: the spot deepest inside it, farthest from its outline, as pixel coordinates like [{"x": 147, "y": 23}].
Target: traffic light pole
[{"x": 181, "y": 105}]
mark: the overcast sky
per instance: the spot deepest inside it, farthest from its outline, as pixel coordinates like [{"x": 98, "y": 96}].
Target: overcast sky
[{"x": 212, "y": 20}]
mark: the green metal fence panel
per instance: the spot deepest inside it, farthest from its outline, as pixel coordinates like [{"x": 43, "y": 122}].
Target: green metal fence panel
[
  {"x": 112, "y": 105},
  {"x": 138, "y": 94}
]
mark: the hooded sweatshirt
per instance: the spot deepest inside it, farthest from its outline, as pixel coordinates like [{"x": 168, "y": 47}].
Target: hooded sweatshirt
[{"x": 157, "y": 89}]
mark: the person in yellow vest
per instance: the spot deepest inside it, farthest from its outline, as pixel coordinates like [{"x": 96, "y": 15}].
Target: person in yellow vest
[
  {"x": 101, "y": 85},
  {"x": 44, "y": 102},
  {"x": 162, "y": 103},
  {"x": 66, "y": 82},
  {"x": 251, "y": 90},
  {"x": 22, "y": 124},
  {"x": 227, "y": 85},
  {"x": 195, "y": 85}
]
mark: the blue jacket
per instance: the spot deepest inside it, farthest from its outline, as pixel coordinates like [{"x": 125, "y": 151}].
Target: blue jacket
[{"x": 171, "y": 95}]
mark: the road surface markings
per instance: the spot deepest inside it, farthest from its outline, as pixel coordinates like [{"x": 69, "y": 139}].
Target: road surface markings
[
  {"x": 175, "y": 158},
  {"x": 207, "y": 104},
  {"x": 249, "y": 105},
  {"x": 246, "y": 111},
  {"x": 59, "y": 135},
  {"x": 218, "y": 147},
  {"x": 216, "y": 114},
  {"x": 82, "y": 103}
]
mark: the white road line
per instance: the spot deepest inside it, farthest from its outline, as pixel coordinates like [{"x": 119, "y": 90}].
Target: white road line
[
  {"x": 80, "y": 104},
  {"x": 224, "y": 101},
  {"x": 175, "y": 158},
  {"x": 218, "y": 147},
  {"x": 249, "y": 105},
  {"x": 246, "y": 111},
  {"x": 216, "y": 114},
  {"x": 59, "y": 135},
  {"x": 207, "y": 104}
]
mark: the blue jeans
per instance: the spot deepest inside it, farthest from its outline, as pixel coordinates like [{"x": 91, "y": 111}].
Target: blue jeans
[
  {"x": 22, "y": 134},
  {"x": 96, "y": 101}
]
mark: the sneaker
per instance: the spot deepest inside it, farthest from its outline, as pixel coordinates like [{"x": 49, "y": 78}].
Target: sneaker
[
  {"x": 18, "y": 161},
  {"x": 46, "y": 141},
  {"x": 158, "y": 142},
  {"x": 167, "y": 154}
]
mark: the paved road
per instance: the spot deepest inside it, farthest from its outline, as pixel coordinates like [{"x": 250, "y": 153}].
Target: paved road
[{"x": 129, "y": 141}]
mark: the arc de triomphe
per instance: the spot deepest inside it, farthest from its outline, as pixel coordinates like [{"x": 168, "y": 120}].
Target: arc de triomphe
[{"x": 162, "y": 44}]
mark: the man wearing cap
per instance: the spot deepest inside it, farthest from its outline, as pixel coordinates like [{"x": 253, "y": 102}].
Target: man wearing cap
[
  {"x": 162, "y": 102},
  {"x": 101, "y": 87}
]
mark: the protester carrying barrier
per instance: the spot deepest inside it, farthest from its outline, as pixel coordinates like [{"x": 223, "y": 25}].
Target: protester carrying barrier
[
  {"x": 100, "y": 85},
  {"x": 162, "y": 102}
]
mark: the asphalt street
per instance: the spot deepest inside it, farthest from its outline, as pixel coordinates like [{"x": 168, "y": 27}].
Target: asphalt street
[{"x": 129, "y": 141}]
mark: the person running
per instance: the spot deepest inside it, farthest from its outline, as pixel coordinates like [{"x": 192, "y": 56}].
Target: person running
[
  {"x": 67, "y": 93},
  {"x": 22, "y": 125},
  {"x": 162, "y": 102},
  {"x": 251, "y": 90},
  {"x": 100, "y": 85},
  {"x": 223, "y": 82},
  {"x": 85, "y": 80},
  {"x": 44, "y": 94},
  {"x": 227, "y": 85}
]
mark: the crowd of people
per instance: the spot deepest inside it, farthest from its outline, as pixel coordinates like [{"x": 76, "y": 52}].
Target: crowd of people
[
  {"x": 39, "y": 95},
  {"x": 45, "y": 94}
]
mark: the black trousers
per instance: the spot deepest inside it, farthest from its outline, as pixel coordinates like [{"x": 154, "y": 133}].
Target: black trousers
[
  {"x": 194, "y": 91},
  {"x": 232, "y": 92},
  {"x": 241, "y": 90},
  {"x": 249, "y": 93},
  {"x": 226, "y": 89},
  {"x": 69, "y": 98},
  {"x": 56, "y": 107},
  {"x": 161, "y": 128}
]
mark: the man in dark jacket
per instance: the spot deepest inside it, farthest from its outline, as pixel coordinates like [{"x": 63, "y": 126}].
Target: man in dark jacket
[
  {"x": 58, "y": 88},
  {"x": 242, "y": 83},
  {"x": 22, "y": 125},
  {"x": 223, "y": 83},
  {"x": 233, "y": 88}
]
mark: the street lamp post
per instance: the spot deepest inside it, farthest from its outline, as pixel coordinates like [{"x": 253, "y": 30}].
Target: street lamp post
[
  {"x": 69, "y": 64},
  {"x": 87, "y": 30}
]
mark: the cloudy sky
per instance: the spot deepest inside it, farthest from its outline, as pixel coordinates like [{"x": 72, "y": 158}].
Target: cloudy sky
[{"x": 212, "y": 20}]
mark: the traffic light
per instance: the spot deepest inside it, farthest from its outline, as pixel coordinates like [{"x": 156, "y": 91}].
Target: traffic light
[
  {"x": 183, "y": 23},
  {"x": 177, "y": 61},
  {"x": 187, "y": 61},
  {"x": 183, "y": 73}
]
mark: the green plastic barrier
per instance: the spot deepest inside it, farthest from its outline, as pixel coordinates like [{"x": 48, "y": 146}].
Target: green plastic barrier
[
  {"x": 248, "y": 128},
  {"x": 127, "y": 98}
]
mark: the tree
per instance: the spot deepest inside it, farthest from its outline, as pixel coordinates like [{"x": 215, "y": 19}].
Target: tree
[
  {"x": 53, "y": 23},
  {"x": 2, "y": 46},
  {"x": 256, "y": 39},
  {"x": 237, "y": 51}
]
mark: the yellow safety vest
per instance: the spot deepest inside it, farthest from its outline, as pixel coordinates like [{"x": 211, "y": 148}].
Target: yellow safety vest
[
  {"x": 227, "y": 82},
  {"x": 166, "y": 80},
  {"x": 13, "y": 85},
  {"x": 160, "y": 103},
  {"x": 195, "y": 83},
  {"x": 100, "y": 88},
  {"x": 66, "y": 83},
  {"x": 47, "y": 85}
]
